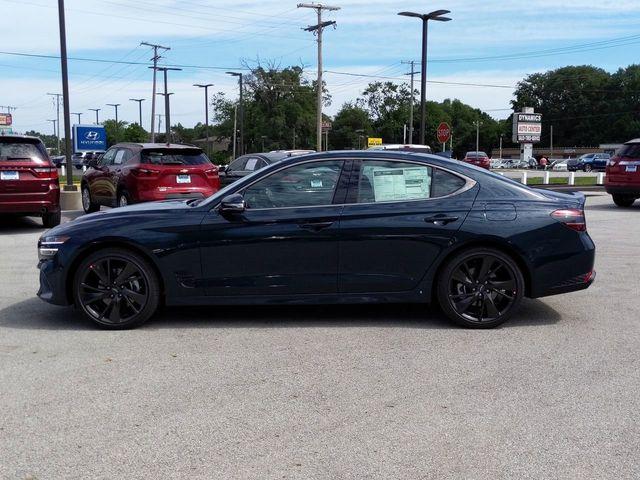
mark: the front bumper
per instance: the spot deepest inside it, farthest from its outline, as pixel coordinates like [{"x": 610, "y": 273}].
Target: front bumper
[{"x": 52, "y": 286}]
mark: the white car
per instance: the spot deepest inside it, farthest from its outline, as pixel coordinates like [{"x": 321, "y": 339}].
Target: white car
[{"x": 559, "y": 166}]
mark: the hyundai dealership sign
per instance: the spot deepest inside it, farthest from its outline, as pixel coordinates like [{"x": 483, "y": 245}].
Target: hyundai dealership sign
[{"x": 89, "y": 138}]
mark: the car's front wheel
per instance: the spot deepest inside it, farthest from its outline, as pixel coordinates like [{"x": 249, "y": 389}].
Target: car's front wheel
[
  {"x": 87, "y": 204},
  {"x": 623, "y": 200},
  {"x": 116, "y": 289},
  {"x": 588, "y": 167},
  {"x": 123, "y": 199},
  {"x": 50, "y": 220},
  {"x": 480, "y": 288}
]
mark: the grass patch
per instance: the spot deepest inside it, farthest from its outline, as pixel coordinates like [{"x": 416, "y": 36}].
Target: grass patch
[{"x": 579, "y": 181}]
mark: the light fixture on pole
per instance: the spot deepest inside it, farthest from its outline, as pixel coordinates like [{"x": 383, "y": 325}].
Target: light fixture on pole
[
  {"x": 240, "y": 149},
  {"x": 79, "y": 116},
  {"x": 96, "y": 110},
  {"x": 206, "y": 108},
  {"x": 425, "y": 17},
  {"x": 167, "y": 108},
  {"x": 116, "y": 105},
  {"x": 139, "y": 100}
]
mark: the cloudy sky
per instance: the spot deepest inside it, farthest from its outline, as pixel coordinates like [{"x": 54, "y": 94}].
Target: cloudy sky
[{"x": 489, "y": 42}]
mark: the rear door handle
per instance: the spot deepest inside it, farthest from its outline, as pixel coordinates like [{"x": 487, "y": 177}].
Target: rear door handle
[
  {"x": 315, "y": 226},
  {"x": 440, "y": 219}
]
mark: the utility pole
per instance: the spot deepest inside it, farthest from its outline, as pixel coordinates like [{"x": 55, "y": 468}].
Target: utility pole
[
  {"x": 65, "y": 97},
  {"x": 477, "y": 123},
  {"x": 318, "y": 28},
  {"x": 294, "y": 138},
  {"x": 139, "y": 100},
  {"x": 167, "y": 108},
  {"x": 437, "y": 16},
  {"x": 57, "y": 95},
  {"x": 501, "y": 135},
  {"x": 116, "y": 105},
  {"x": 206, "y": 108},
  {"x": 79, "y": 116},
  {"x": 235, "y": 129},
  {"x": 54, "y": 121},
  {"x": 159, "y": 115},
  {"x": 96, "y": 110},
  {"x": 155, "y": 59},
  {"x": 412, "y": 73},
  {"x": 240, "y": 150},
  {"x": 551, "y": 144},
  {"x": 8, "y": 108}
]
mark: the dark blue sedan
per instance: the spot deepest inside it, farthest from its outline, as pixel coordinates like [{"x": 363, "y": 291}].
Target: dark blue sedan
[{"x": 334, "y": 227}]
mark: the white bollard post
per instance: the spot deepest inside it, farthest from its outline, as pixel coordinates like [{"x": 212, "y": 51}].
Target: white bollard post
[
  {"x": 572, "y": 178},
  {"x": 64, "y": 170},
  {"x": 523, "y": 180},
  {"x": 501, "y": 173},
  {"x": 546, "y": 177},
  {"x": 84, "y": 168},
  {"x": 600, "y": 179}
]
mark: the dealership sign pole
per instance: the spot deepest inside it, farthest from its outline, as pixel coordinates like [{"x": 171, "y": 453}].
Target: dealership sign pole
[{"x": 527, "y": 128}]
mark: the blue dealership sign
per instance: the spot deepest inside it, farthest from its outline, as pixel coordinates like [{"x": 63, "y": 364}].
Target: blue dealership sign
[{"x": 89, "y": 138}]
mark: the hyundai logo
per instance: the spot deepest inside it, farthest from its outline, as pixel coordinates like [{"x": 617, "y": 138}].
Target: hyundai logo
[{"x": 91, "y": 135}]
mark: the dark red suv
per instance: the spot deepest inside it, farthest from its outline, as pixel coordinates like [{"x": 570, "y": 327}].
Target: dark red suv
[
  {"x": 144, "y": 172},
  {"x": 479, "y": 159},
  {"x": 28, "y": 180},
  {"x": 623, "y": 174}
]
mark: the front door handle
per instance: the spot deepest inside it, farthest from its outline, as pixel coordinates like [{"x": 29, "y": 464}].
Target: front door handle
[
  {"x": 315, "y": 226},
  {"x": 440, "y": 219}
]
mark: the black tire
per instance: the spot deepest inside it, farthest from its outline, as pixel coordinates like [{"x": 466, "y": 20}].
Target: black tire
[
  {"x": 623, "y": 200},
  {"x": 123, "y": 199},
  {"x": 587, "y": 167},
  {"x": 88, "y": 205},
  {"x": 116, "y": 289},
  {"x": 482, "y": 303},
  {"x": 50, "y": 220}
]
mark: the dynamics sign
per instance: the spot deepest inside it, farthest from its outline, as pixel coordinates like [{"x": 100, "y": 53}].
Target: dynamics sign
[
  {"x": 5, "y": 119},
  {"x": 89, "y": 138},
  {"x": 527, "y": 127}
]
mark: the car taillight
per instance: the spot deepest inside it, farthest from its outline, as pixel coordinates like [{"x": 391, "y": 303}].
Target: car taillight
[
  {"x": 145, "y": 172},
  {"x": 211, "y": 172},
  {"x": 46, "y": 172},
  {"x": 572, "y": 218}
]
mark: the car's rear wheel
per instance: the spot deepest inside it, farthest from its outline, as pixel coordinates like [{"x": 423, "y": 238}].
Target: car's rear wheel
[
  {"x": 87, "y": 203},
  {"x": 50, "y": 220},
  {"x": 623, "y": 200},
  {"x": 588, "y": 167},
  {"x": 116, "y": 289},
  {"x": 480, "y": 288},
  {"x": 123, "y": 199}
]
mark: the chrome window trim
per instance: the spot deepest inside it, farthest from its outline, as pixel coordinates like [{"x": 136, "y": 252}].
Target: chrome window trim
[{"x": 469, "y": 184}]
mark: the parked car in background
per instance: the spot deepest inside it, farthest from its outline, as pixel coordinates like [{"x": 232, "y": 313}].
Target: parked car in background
[
  {"x": 479, "y": 159},
  {"x": 251, "y": 162},
  {"x": 58, "y": 160},
  {"x": 143, "y": 172},
  {"x": 496, "y": 163},
  {"x": 559, "y": 165},
  {"x": 402, "y": 147},
  {"x": 331, "y": 227},
  {"x": 28, "y": 180},
  {"x": 622, "y": 180},
  {"x": 588, "y": 162}
]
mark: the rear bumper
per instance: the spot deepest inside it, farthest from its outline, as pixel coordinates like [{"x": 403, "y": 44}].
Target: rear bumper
[
  {"x": 622, "y": 189},
  {"x": 173, "y": 193},
  {"x": 30, "y": 203}
]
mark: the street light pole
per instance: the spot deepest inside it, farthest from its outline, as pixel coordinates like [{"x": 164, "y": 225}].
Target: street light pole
[
  {"x": 116, "y": 105},
  {"x": 425, "y": 17},
  {"x": 412, "y": 73},
  {"x": 155, "y": 59},
  {"x": 318, "y": 28},
  {"x": 240, "y": 150},
  {"x": 139, "y": 100},
  {"x": 96, "y": 110},
  {"x": 477, "y": 123},
  {"x": 79, "y": 115},
  {"x": 206, "y": 108},
  {"x": 167, "y": 107}
]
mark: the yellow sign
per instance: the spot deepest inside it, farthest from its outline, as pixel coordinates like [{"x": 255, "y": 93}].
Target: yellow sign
[{"x": 372, "y": 141}]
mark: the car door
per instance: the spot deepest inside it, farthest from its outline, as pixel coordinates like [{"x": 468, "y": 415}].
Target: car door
[
  {"x": 115, "y": 173},
  {"x": 98, "y": 177},
  {"x": 399, "y": 216},
  {"x": 286, "y": 240}
]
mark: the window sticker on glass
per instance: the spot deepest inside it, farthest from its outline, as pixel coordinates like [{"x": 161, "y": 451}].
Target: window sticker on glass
[
  {"x": 398, "y": 183},
  {"x": 316, "y": 183},
  {"x": 251, "y": 164},
  {"x": 119, "y": 157}
]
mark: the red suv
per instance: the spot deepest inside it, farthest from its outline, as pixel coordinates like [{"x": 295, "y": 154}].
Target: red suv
[
  {"x": 479, "y": 159},
  {"x": 623, "y": 174},
  {"x": 144, "y": 172},
  {"x": 28, "y": 180}
]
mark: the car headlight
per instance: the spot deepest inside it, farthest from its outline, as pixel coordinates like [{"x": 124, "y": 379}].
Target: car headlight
[{"x": 49, "y": 244}]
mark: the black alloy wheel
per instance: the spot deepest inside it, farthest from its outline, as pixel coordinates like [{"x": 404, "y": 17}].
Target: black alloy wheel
[
  {"x": 116, "y": 289},
  {"x": 480, "y": 288},
  {"x": 623, "y": 200}
]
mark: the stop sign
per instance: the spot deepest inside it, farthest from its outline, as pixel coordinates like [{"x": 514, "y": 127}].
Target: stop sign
[{"x": 444, "y": 132}]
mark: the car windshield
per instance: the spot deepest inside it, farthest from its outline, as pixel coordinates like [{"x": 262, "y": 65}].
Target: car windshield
[
  {"x": 174, "y": 157},
  {"x": 20, "y": 151},
  {"x": 631, "y": 150},
  {"x": 474, "y": 154}
]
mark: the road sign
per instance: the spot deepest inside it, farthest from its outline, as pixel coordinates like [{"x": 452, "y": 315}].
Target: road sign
[
  {"x": 89, "y": 138},
  {"x": 373, "y": 141},
  {"x": 527, "y": 127},
  {"x": 443, "y": 132},
  {"x": 326, "y": 125},
  {"x": 5, "y": 119}
]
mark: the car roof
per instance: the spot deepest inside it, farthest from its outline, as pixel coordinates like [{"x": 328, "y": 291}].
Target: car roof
[
  {"x": 271, "y": 156},
  {"x": 156, "y": 145},
  {"x": 635, "y": 140},
  {"x": 15, "y": 136}
]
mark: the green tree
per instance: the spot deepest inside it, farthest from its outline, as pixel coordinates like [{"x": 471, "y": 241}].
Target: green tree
[
  {"x": 115, "y": 133},
  {"x": 350, "y": 128}
]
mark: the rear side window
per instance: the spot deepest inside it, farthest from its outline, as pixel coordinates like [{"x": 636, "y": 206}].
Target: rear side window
[
  {"x": 169, "y": 156},
  {"x": 630, "y": 151},
  {"x": 16, "y": 151},
  {"x": 445, "y": 183}
]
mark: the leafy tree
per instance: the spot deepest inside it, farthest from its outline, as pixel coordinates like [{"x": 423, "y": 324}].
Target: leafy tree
[
  {"x": 350, "y": 128},
  {"x": 115, "y": 133}
]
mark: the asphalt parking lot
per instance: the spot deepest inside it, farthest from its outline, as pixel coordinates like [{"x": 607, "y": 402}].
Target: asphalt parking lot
[{"x": 387, "y": 392}]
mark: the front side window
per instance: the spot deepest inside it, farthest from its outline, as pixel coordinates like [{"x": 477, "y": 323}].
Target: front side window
[
  {"x": 119, "y": 157},
  {"x": 252, "y": 164},
  {"x": 237, "y": 165},
  {"x": 386, "y": 181},
  {"x": 304, "y": 185},
  {"x": 107, "y": 158}
]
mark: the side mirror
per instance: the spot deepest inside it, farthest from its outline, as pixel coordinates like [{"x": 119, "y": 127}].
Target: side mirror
[
  {"x": 93, "y": 163},
  {"x": 232, "y": 204},
  {"x": 222, "y": 168}
]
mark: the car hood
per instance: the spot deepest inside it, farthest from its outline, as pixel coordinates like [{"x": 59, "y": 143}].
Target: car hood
[{"x": 148, "y": 207}]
